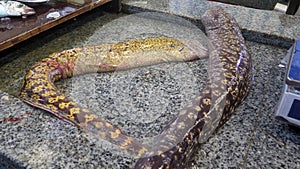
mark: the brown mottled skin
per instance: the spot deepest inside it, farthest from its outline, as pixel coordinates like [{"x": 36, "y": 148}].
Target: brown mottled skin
[
  {"x": 39, "y": 91},
  {"x": 227, "y": 86},
  {"x": 228, "y": 83}
]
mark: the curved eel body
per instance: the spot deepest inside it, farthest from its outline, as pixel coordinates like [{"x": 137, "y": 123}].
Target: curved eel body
[
  {"x": 229, "y": 77},
  {"x": 227, "y": 86},
  {"x": 38, "y": 89}
]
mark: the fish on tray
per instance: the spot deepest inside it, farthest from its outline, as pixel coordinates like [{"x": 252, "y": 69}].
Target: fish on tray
[{"x": 14, "y": 8}]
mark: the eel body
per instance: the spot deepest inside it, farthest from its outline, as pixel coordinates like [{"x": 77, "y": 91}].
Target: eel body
[
  {"x": 38, "y": 87},
  {"x": 229, "y": 77},
  {"x": 228, "y": 82}
]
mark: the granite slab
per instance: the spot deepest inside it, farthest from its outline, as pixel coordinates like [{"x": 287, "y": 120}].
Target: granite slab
[
  {"x": 263, "y": 26},
  {"x": 139, "y": 101}
]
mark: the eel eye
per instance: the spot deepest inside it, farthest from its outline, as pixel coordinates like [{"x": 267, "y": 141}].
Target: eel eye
[{"x": 19, "y": 5}]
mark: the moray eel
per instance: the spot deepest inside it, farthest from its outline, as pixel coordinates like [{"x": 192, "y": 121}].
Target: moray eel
[
  {"x": 39, "y": 91},
  {"x": 229, "y": 77}
]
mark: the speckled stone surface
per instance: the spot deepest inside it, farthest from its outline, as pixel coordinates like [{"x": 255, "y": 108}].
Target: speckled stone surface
[
  {"x": 139, "y": 101},
  {"x": 264, "y": 26}
]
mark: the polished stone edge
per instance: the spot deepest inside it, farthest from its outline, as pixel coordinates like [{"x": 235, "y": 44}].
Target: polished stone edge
[
  {"x": 268, "y": 39},
  {"x": 260, "y": 4},
  {"x": 276, "y": 36},
  {"x": 9, "y": 163}
]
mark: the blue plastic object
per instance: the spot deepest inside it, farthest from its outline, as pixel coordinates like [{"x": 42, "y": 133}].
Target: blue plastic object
[{"x": 294, "y": 70}]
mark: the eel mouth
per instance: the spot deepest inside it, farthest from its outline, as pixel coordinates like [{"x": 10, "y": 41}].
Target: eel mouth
[{"x": 28, "y": 11}]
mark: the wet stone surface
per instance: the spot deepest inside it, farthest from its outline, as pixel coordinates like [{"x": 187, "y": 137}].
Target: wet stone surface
[{"x": 139, "y": 101}]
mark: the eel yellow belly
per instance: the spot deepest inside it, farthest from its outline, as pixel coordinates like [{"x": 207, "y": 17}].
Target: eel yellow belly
[
  {"x": 38, "y": 89},
  {"x": 229, "y": 77}
]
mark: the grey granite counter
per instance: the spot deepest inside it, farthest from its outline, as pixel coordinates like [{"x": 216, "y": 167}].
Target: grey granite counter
[
  {"x": 140, "y": 101},
  {"x": 264, "y": 26}
]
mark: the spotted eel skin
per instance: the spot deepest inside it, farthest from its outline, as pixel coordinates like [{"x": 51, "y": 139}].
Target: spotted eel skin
[
  {"x": 39, "y": 91},
  {"x": 229, "y": 77}
]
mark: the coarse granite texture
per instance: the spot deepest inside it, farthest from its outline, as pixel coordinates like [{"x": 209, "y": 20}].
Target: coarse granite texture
[
  {"x": 264, "y": 26},
  {"x": 130, "y": 100}
]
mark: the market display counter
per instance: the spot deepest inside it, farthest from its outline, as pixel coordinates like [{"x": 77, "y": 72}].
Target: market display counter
[{"x": 48, "y": 15}]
